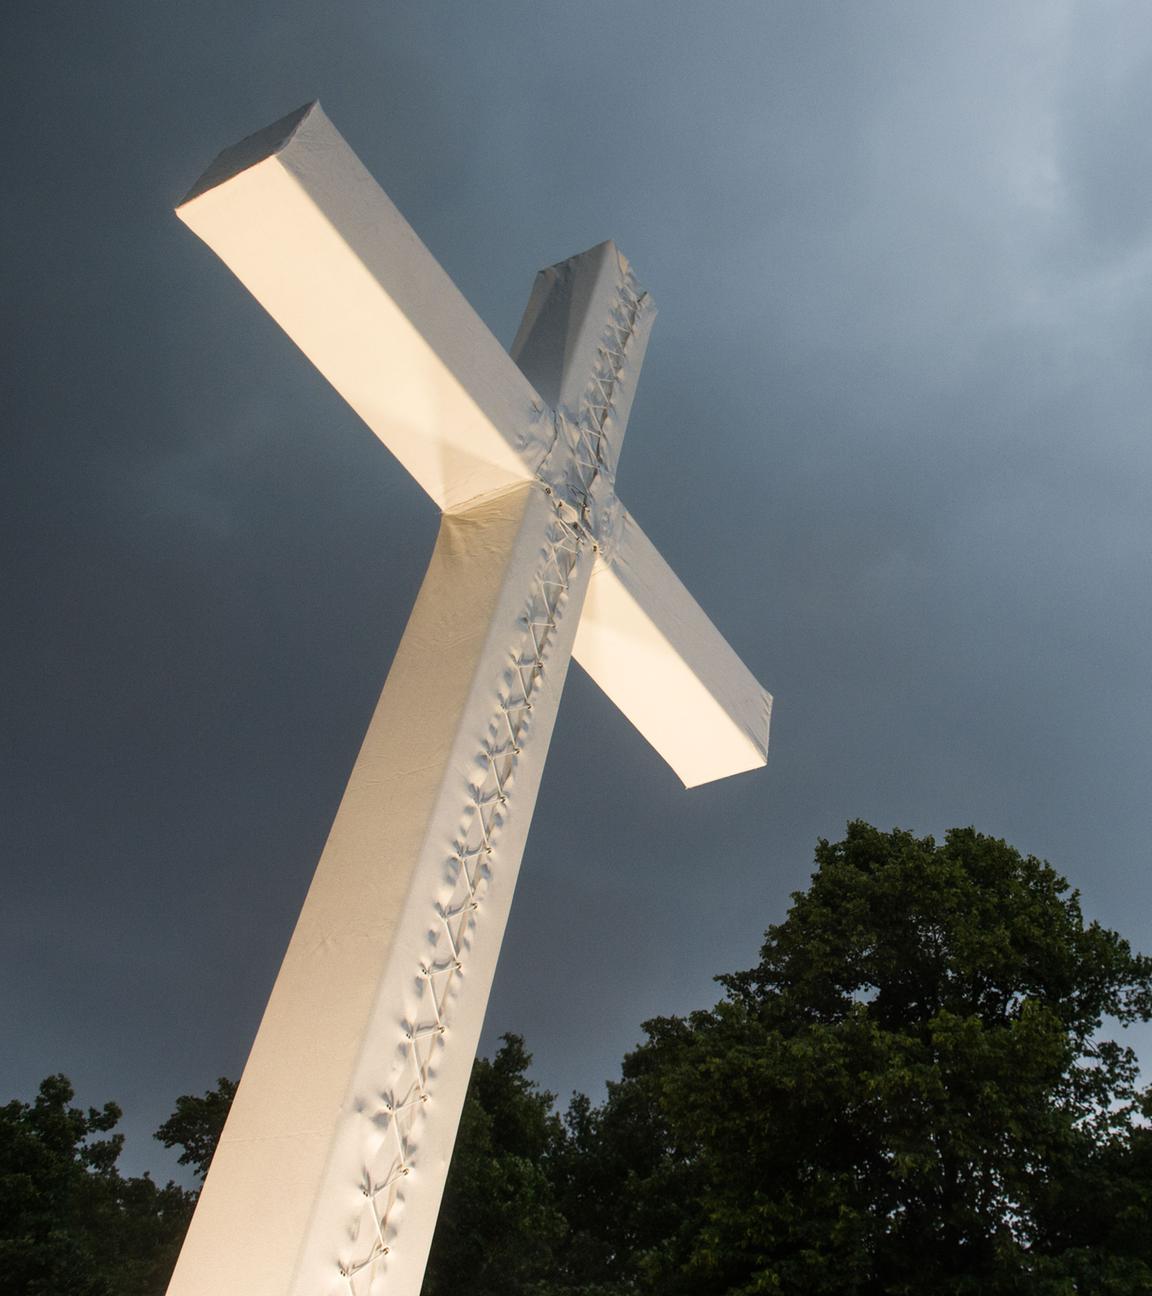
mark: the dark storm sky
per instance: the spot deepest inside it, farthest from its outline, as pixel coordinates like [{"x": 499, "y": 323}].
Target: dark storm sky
[{"x": 893, "y": 431}]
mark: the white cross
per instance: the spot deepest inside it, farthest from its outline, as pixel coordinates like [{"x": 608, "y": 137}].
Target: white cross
[{"x": 328, "y": 1177}]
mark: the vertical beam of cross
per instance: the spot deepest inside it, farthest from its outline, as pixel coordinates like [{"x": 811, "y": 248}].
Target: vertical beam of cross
[
  {"x": 329, "y": 1173},
  {"x": 334, "y": 1157}
]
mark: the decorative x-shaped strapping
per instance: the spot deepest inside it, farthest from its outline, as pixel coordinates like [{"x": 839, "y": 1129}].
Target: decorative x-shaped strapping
[
  {"x": 578, "y": 474},
  {"x": 392, "y": 1125}
]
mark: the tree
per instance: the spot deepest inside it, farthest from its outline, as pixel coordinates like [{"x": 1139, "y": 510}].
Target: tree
[
  {"x": 626, "y": 1187},
  {"x": 69, "y": 1222},
  {"x": 500, "y": 1226},
  {"x": 909, "y": 1092},
  {"x": 912, "y": 1091},
  {"x": 196, "y": 1125}
]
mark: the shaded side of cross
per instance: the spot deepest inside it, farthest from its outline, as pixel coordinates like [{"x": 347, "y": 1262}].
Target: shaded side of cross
[{"x": 329, "y": 1173}]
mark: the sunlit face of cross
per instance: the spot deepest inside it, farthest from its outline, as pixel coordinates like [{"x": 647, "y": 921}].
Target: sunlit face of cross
[{"x": 348, "y": 1106}]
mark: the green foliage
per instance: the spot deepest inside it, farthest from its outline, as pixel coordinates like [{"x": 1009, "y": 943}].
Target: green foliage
[
  {"x": 628, "y": 1189},
  {"x": 916, "y": 1089},
  {"x": 196, "y": 1125},
  {"x": 69, "y": 1222},
  {"x": 909, "y": 1092},
  {"x": 499, "y": 1224}
]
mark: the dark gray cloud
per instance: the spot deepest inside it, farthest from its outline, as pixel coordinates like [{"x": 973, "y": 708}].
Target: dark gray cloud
[{"x": 893, "y": 431}]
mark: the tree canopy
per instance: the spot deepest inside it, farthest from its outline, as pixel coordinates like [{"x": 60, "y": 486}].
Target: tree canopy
[
  {"x": 500, "y": 1222},
  {"x": 69, "y": 1222},
  {"x": 910, "y": 1091},
  {"x": 196, "y": 1125},
  {"x": 918, "y": 1087}
]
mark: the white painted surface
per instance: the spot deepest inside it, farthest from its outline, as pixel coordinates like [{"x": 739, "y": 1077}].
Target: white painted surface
[
  {"x": 329, "y": 1174},
  {"x": 284, "y": 1205},
  {"x": 323, "y": 249},
  {"x": 648, "y": 644}
]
